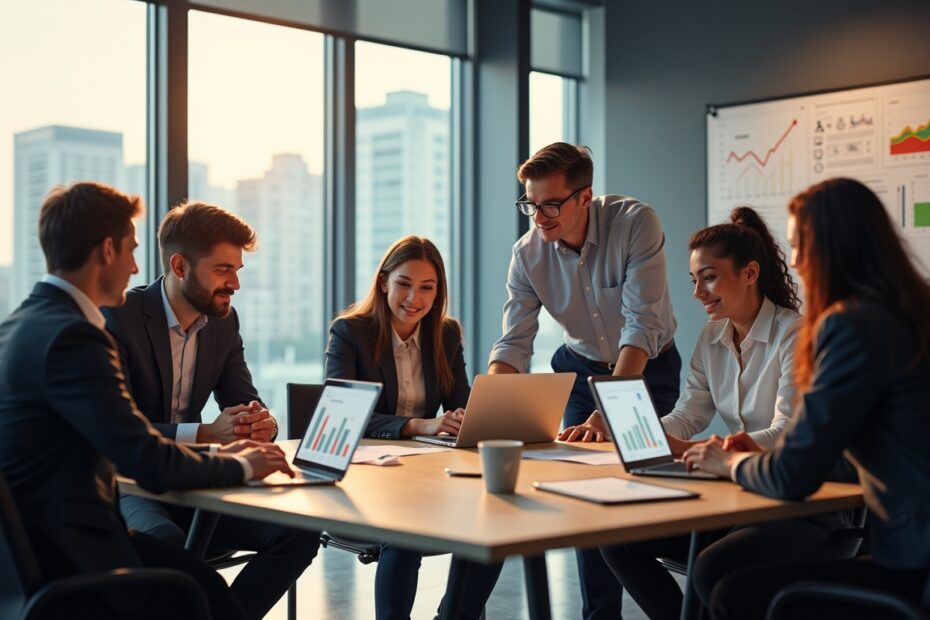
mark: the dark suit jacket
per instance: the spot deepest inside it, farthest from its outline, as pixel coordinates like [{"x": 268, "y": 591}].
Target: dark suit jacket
[
  {"x": 868, "y": 399},
  {"x": 349, "y": 355},
  {"x": 67, "y": 422},
  {"x": 140, "y": 329}
]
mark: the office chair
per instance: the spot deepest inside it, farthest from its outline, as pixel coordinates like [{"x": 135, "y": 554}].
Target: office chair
[
  {"x": 27, "y": 595},
  {"x": 884, "y": 604}
]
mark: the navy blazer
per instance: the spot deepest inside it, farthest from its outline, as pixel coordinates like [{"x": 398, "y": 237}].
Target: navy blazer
[
  {"x": 67, "y": 422},
  {"x": 869, "y": 400},
  {"x": 350, "y": 355},
  {"x": 140, "y": 329}
]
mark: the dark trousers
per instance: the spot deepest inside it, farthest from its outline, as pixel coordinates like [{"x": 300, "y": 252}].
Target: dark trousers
[
  {"x": 396, "y": 583},
  {"x": 656, "y": 591},
  {"x": 601, "y": 598},
  {"x": 745, "y": 594},
  {"x": 282, "y": 553}
]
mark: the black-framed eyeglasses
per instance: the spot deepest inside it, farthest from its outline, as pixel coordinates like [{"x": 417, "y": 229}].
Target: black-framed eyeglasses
[{"x": 549, "y": 209}]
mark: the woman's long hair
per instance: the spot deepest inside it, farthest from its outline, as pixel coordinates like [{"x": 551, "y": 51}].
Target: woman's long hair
[
  {"x": 848, "y": 249},
  {"x": 375, "y": 306},
  {"x": 747, "y": 238}
]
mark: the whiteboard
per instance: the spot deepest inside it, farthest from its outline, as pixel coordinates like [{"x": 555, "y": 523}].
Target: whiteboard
[{"x": 762, "y": 154}]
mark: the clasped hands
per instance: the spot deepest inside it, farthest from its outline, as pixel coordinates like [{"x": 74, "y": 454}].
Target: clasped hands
[{"x": 251, "y": 421}]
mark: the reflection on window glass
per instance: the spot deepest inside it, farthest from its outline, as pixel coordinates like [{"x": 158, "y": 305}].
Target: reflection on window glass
[
  {"x": 550, "y": 121},
  {"x": 72, "y": 109},
  {"x": 256, "y": 148},
  {"x": 403, "y": 153}
]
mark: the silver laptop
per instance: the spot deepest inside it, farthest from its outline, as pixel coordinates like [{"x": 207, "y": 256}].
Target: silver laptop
[
  {"x": 336, "y": 426},
  {"x": 527, "y": 407},
  {"x": 634, "y": 424}
]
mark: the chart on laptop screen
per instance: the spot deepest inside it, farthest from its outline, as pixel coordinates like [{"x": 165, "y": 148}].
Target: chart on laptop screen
[
  {"x": 336, "y": 426},
  {"x": 633, "y": 420}
]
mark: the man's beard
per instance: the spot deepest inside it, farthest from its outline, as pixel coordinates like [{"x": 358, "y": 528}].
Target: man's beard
[{"x": 203, "y": 300}]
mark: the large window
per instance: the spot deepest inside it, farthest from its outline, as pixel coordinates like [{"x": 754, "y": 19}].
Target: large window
[
  {"x": 255, "y": 142},
  {"x": 72, "y": 109},
  {"x": 553, "y": 118},
  {"x": 403, "y": 156}
]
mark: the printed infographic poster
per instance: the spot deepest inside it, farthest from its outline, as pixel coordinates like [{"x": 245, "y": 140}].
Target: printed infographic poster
[{"x": 762, "y": 154}]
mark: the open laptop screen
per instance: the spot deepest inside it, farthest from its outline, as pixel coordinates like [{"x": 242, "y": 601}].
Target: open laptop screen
[
  {"x": 632, "y": 418},
  {"x": 337, "y": 425}
]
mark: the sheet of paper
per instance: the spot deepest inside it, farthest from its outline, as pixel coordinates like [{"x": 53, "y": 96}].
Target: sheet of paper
[
  {"x": 613, "y": 490},
  {"x": 370, "y": 454},
  {"x": 574, "y": 455}
]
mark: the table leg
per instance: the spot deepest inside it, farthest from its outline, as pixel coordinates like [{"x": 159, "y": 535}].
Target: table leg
[
  {"x": 537, "y": 587},
  {"x": 691, "y": 606},
  {"x": 198, "y": 537}
]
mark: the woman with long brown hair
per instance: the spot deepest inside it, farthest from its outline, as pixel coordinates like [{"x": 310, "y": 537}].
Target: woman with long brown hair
[
  {"x": 863, "y": 371},
  {"x": 401, "y": 336}
]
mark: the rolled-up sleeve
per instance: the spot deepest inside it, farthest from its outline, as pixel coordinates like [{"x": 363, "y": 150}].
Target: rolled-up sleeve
[
  {"x": 520, "y": 321},
  {"x": 645, "y": 288}
]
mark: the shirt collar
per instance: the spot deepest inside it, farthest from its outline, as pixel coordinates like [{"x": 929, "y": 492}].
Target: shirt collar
[
  {"x": 760, "y": 331},
  {"x": 88, "y": 307},
  {"x": 593, "y": 230},
  {"x": 413, "y": 340},
  {"x": 172, "y": 318}
]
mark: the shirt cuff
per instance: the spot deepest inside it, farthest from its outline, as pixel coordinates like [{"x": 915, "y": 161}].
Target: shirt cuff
[
  {"x": 734, "y": 468},
  {"x": 213, "y": 448},
  {"x": 246, "y": 468},
  {"x": 640, "y": 340},
  {"x": 187, "y": 433}
]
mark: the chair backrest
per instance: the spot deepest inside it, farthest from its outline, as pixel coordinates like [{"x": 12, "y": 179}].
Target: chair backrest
[
  {"x": 301, "y": 401},
  {"x": 20, "y": 576}
]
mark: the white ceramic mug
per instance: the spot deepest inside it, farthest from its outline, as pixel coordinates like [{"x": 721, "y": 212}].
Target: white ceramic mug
[{"x": 500, "y": 464}]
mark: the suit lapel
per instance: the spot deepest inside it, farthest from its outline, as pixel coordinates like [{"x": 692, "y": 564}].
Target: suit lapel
[
  {"x": 157, "y": 328},
  {"x": 202, "y": 386},
  {"x": 389, "y": 376}
]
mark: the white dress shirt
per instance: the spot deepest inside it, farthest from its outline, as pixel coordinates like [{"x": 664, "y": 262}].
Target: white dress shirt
[
  {"x": 756, "y": 396},
  {"x": 183, "y": 363},
  {"x": 411, "y": 387}
]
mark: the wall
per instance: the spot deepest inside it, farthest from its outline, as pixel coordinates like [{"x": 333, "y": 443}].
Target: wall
[{"x": 665, "y": 61}]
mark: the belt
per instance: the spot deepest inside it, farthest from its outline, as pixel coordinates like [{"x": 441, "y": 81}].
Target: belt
[{"x": 611, "y": 365}]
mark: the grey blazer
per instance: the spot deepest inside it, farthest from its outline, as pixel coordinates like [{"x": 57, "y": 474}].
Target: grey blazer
[
  {"x": 350, "y": 355},
  {"x": 870, "y": 401},
  {"x": 67, "y": 423},
  {"x": 140, "y": 329}
]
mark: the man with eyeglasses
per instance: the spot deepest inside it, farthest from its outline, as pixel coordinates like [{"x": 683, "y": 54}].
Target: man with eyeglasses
[{"x": 597, "y": 265}]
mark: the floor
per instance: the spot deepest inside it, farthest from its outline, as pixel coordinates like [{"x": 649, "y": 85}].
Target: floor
[{"x": 338, "y": 587}]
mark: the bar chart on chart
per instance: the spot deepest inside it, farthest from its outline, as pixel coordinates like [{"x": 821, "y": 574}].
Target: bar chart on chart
[
  {"x": 633, "y": 420},
  {"x": 336, "y": 427}
]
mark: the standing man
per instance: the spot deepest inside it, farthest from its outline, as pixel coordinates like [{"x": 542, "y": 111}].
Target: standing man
[
  {"x": 597, "y": 265},
  {"x": 67, "y": 421},
  {"x": 179, "y": 341}
]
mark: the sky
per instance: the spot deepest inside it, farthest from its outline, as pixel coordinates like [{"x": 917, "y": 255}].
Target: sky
[{"x": 255, "y": 89}]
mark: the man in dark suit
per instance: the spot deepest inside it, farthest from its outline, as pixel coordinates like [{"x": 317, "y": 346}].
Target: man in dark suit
[
  {"x": 178, "y": 340},
  {"x": 67, "y": 421}
]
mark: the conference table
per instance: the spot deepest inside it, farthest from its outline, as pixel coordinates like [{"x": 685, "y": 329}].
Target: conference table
[{"x": 416, "y": 505}]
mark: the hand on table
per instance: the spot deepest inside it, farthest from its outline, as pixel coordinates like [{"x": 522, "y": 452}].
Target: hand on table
[{"x": 593, "y": 429}]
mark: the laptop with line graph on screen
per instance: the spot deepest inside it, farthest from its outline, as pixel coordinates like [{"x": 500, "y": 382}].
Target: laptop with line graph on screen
[
  {"x": 336, "y": 426},
  {"x": 640, "y": 439}
]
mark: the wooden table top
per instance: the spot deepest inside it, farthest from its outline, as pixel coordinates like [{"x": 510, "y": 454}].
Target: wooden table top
[{"x": 417, "y": 505}]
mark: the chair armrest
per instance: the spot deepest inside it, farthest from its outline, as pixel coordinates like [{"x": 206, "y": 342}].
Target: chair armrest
[
  {"x": 119, "y": 579},
  {"x": 809, "y": 591}
]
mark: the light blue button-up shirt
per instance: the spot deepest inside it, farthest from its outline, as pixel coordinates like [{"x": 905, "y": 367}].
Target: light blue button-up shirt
[{"x": 612, "y": 294}]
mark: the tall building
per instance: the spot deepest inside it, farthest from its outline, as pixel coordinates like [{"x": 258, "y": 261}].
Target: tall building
[
  {"x": 43, "y": 158},
  {"x": 282, "y": 307},
  {"x": 402, "y": 172}
]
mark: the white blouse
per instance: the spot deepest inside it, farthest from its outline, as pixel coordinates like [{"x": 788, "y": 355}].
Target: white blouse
[
  {"x": 411, "y": 387},
  {"x": 759, "y": 397}
]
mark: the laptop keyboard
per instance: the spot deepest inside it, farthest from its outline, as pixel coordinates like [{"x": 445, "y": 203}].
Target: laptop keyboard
[{"x": 675, "y": 466}]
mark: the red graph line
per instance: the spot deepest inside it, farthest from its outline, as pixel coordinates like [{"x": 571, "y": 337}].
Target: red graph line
[{"x": 764, "y": 161}]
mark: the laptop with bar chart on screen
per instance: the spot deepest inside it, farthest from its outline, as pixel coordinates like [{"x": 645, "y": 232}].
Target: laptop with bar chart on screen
[
  {"x": 638, "y": 434},
  {"x": 335, "y": 428}
]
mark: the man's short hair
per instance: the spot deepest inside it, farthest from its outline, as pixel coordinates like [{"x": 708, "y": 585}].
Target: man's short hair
[
  {"x": 193, "y": 229},
  {"x": 75, "y": 219},
  {"x": 559, "y": 157}
]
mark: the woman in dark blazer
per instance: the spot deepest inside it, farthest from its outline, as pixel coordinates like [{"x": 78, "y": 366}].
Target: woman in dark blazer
[
  {"x": 401, "y": 336},
  {"x": 863, "y": 369}
]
